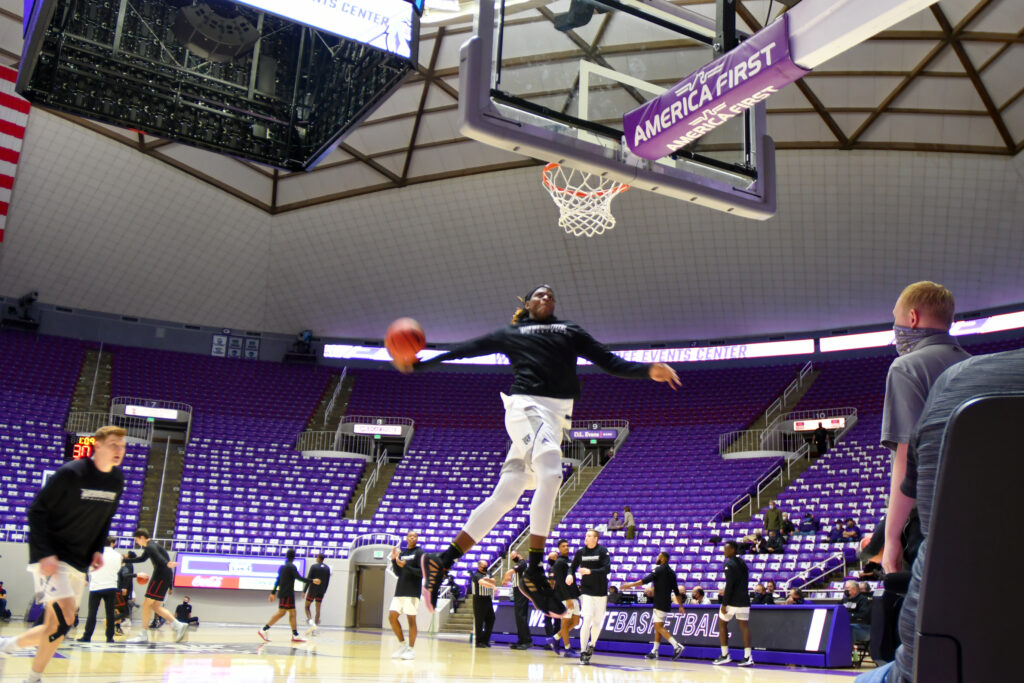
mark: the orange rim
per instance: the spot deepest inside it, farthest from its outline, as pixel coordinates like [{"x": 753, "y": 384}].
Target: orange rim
[{"x": 622, "y": 187}]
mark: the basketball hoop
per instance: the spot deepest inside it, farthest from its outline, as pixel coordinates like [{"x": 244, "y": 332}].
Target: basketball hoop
[{"x": 584, "y": 199}]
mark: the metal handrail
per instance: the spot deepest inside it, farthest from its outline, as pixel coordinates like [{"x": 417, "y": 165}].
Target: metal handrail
[
  {"x": 793, "y": 386},
  {"x": 818, "y": 413},
  {"x": 95, "y": 374},
  {"x": 801, "y": 453},
  {"x": 89, "y": 422},
  {"x": 359, "y": 444},
  {"x": 334, "y": 396},
  {"x": 806, "y": 573},
  {"x": 739, "y": 504},
  {"x": 599, "y": 424},
  {"x": 378, "y": 464},
  {"x": 776, "y": 473}
]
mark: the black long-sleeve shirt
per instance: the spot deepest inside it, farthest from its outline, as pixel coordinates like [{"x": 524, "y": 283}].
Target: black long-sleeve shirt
[
  {"x": 543, "y": 356},
  {"x": 155, "y": 553},
  {"x": 595, "y": 559},
  {"x": 665, "y": 586},
  {"x": 287, "y": 575},
  {"x": 70, "y": 516},
  {"x": 560, "y": 570},
  {"x": 736, "y": 577},
  {"x": 318, "y": 570},
  {"x": 859, "y": 608},
  {"x": 410, "y": 576}
]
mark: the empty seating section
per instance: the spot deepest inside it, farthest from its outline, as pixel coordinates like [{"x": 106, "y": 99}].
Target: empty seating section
[
  {"x": 242, "y": 482},
  {"x": 432, "y": 399},
  {"x": 38, "y": 374}
]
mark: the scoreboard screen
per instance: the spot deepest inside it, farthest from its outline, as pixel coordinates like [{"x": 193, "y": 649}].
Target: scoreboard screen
[{"x": 78, "y": 447}]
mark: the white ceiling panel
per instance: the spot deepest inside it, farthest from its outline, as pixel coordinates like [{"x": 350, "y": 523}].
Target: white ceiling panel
[
  {"x": 223, "y": 169},
  {"x": 1006, "y": 75}
]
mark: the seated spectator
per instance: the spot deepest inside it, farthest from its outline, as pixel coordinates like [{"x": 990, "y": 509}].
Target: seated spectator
[
  {"x": 5, "y": 613},
  {"x": 616, "y": 523},
  {"x": 773, "y": 544},
  {"x": 851, "y": 532},
  {"x": 752, "y": 543},
  {"x": 183, "y": 612},
  {"x": 865, "y": 588},
  {"x": 858, "y": 604},
  {"x": 787, "y": 526},
  {"x": 773, "y": 517},
  {"x": 454, "y": 590},
  {"x": 614, "y": 596},
  {"x": 809, "y": 525},
  {"x": 629, "y": 522},
  {"x": 836, "y": 535},
  {"x": 759, "y": 595},
  {"x": 796, "y": 597},
  {"x": 697, "y": 597},
  {"x": 769, "y": 595},
  {"x": 872, "y": 572}
]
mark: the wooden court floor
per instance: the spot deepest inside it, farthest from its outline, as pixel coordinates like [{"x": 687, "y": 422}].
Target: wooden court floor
[{"x": 222, "y": 654}]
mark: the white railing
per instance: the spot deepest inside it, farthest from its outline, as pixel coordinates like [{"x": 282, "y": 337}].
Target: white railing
[
  {"x": 801, "y": 453},
  {"x": 95, "y": 374},
  {"x": 378, "y": 464},
  {"x": 334, "y": 396},
  {"x": 744, "y": 501},
  {"x": 378, "y": 420},
  {"x": 776, "y": 406},
  {"x": 600, "y": 424},
  {"x": 334, "y": 441},
  {"x": 87, "y": 423},
  {"x": 804, "y": 578},
  {"x": 374, "y": 539},
  {"x": 775, "y": 474},
  {"x": 815, "y": 414},
  {"x": 756, "y": 440}
]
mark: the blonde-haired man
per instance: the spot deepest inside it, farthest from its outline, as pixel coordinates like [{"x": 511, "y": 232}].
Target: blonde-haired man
[
  {"x": 922, "y": 317},
  {"x": 68, "y": 523}
]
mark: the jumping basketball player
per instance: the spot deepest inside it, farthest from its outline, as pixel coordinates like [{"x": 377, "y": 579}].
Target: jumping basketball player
[
  {"x": 542, "y": 351},
  {"x": 159, "y": 583},
  {"x": 68, "y": 522},
  {"x": 284, "y": 591}
]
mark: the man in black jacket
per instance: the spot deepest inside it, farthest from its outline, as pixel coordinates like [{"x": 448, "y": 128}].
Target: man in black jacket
[
  {"x": 666, "y": 591},
  {"x": 159, "y": 583},
  {"x": 569, "y": 594},
  {"x": 735, "y": 604},
  {"x": 284, "y": 592},
  {"x": 315, "y": 591},
  {"x": 406, "y": 566},
  {"x": 68, "y": 523},
  {"x": 483, "y": 605},
  {"x": 594, "y": 566},
  {"x": 858, "y": 605}
]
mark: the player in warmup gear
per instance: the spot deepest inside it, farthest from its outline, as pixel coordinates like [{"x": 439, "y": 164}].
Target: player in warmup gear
[
  {"x": 406, "y": 566},
  {"x": 569, "y": 594},
  {"x": 543, "y": 352},
  {"x": 284, "y": 591},
  {"x": 666, "y": 591},
  {"x": 156, "y": 590},
  {"x": 68, "y": 523},
  {"x": 103, "y": 587},
  {"x": 735, "y": 603},
  {"x": 594, "y": 566},
  {"x": 315, "y": 591}
]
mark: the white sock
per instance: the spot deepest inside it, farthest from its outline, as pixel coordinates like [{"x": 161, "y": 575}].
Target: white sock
[
  {"x": 655, "y": 647},
  {"x": 725, "y": 650},
  {"x": 746, "y": 652},
  {"x": 675, "y": 644},
  {"x": 33, "y": 677}
]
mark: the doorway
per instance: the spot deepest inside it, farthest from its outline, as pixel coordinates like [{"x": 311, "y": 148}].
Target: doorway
[{"x": 369, "y": 596}]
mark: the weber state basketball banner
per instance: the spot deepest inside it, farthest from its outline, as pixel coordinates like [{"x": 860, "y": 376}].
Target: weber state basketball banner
[{"x": 13, "y": 119}]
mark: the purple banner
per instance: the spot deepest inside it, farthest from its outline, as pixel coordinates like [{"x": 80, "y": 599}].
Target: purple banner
[
  {"x": 714, "y": 94},
  {"x": 605, "y": 434}
]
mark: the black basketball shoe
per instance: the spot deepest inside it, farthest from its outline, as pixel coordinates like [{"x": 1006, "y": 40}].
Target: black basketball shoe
[
  {"x": 534, "y": 585},
  {"x": 433, "y": 572}
]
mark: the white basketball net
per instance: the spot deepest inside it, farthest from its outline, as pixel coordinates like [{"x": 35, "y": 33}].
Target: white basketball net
[{"x": 584, "y": 199}]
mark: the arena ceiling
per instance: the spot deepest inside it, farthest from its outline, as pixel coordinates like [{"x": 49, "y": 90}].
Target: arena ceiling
[{"x": 898, "y": 160}]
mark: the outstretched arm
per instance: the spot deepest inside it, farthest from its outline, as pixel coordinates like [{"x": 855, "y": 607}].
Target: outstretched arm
[
  {"x": 601, "y": 356},
  {"x": 480, "y": 346}
]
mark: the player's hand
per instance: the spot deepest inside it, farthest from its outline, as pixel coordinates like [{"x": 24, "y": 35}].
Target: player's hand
[
  {"x": 270, "y": 598},
  {"x": 48, "y": 565},
  {"x": 316, "y": 582},
  {"x": 722, "y": 610},
  {"x": 97, "y": 560},
  {"x": 172, "y": 565},
  {"x": 568, "y": 580},
  {"x": 892, "y": 557},
  {"x": 584, "y": 571},
  {"x": 660, "y": 372},
  {"x": 404, "y": 368},
  {"x": 682, "y": 608},
  {"x": 394, "y": 552}
]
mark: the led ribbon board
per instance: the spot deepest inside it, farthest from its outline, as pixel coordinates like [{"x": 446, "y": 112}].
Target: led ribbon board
[
  {"x": 231, "y": 571},
  {"x": 384, "y": 24},
  {"x": 751, "y": 72}
]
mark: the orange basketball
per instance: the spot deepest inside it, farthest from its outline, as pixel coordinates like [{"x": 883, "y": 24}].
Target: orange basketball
[
  {"x": 404, "y": 339},
  {"x": 142, "y": 579}
]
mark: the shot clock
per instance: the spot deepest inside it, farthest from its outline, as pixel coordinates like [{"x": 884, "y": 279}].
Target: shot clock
[{"x": 78, "y": 447}]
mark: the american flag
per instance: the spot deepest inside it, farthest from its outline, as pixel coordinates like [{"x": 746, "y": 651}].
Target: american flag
[{"x": 13, "y": 119}]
